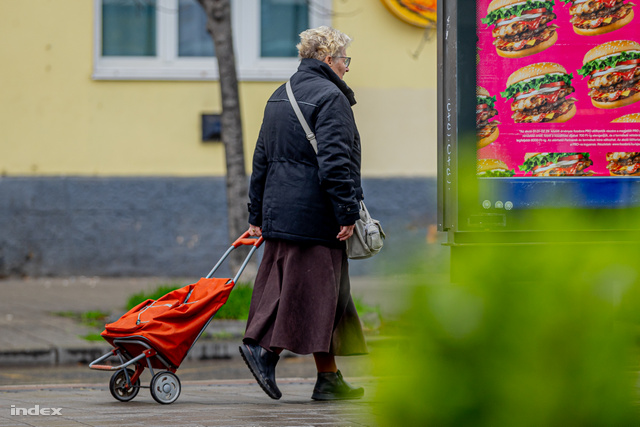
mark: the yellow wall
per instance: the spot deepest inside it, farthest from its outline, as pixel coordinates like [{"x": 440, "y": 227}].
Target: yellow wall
[{"x": 56, "y": 120}]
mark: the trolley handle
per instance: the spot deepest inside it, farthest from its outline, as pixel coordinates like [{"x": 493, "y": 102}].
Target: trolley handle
[{"x": 245, "y": 240}]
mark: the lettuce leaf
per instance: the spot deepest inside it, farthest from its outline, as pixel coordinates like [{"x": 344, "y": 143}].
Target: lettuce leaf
[
  {"x": 489, "y": 100},
  {"x": 612, "y": 61},
  {"x": 505, "y": 12},
  {"x": 545, "y": 158},
  {"x": 497, "y": 174},
  {"x": 535, "y": 84}
]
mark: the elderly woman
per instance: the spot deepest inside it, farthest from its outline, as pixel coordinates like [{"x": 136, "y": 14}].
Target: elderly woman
[{"x": 305, "y": 206}]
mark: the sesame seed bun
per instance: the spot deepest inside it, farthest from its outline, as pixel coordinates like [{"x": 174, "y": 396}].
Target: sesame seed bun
[
  {"x": 629, "y": 118},
  {"x": 490, "y": 164},
  {"x": 617, "y": 104},
  {"x": 535, "y": 70},
  {"x": 605, "y": 28},
  {"x": 529, "y": 51},
  {"x": 480, "y": 91},
  {"x": 498, "y": 4},
  {"x": 610, "y": 48}
]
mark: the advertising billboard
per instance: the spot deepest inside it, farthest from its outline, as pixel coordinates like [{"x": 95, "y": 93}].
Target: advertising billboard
[
  {"x": 558, "y": 89},
  {"x": 555, "y": 90}
]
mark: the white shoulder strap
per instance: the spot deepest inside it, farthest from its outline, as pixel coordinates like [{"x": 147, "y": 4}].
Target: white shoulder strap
[{"x": 310, "y": 135}]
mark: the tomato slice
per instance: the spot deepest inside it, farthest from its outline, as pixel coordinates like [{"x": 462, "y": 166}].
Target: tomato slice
[
  {"x": 598, "y": 70},
  {"x": 609, "y": 3},
  {"x": 482, "y": 106},
  {"x": 540, "y": 10},
  {"x": 555, "y": 84},
  {"x": 499, "y": 21},
  {"x": 629, "y": 62},
  {"x": 574, "y": 157}
]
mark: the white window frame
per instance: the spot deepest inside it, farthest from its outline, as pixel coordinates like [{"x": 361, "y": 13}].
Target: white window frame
[{"x": 166, "y": 65}]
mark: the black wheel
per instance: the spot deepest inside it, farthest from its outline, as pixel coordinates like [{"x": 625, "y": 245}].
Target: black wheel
[
  {"x": 165, "y": 387},
  {"x": 118, "y": 389}
]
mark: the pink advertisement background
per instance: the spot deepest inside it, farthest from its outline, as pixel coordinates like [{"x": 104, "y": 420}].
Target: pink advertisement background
[{"x": 590, "y": 130}]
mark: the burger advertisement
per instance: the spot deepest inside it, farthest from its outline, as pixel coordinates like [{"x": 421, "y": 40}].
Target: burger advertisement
[{"x": 558, "y": 89}]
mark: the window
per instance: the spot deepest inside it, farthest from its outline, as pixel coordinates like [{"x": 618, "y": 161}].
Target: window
[{"x": 168, "y": 39}]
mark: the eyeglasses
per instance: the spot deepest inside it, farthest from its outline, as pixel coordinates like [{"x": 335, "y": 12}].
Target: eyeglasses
[{"x": 347, "y": 60}]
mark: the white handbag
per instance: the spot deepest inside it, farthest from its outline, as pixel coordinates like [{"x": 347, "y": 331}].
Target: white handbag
[{"x": 368, "y": 237}]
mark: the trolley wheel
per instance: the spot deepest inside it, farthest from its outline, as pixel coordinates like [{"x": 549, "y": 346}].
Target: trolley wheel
[
  {"x": 117, "y": 386},
  {"x": 165, "y": 387}
]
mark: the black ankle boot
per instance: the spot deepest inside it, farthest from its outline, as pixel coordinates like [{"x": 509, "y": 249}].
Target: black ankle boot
[
  {"x": 262, "y": 364},
  {"x": 331, "y": 386}
]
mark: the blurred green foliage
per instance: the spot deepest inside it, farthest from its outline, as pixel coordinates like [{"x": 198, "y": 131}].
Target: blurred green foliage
[
  {"x": 236, "y": 307},
  {"x": 543, "y": 336},
  {"x": 153, "y": 294}
]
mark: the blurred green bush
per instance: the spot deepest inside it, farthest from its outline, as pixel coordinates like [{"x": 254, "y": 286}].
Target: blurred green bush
[{"x": 553, "y": 346}]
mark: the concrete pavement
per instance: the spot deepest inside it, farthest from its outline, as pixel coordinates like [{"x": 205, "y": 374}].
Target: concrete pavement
[{"x": 201, "y": 403}]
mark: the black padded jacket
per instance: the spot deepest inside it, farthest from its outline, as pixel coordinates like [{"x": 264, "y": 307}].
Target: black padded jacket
[{"x": 294, "y": 193}]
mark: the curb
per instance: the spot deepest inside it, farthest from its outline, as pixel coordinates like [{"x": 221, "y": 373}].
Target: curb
[
  {"x": 202, "y": 350},
  {"x": 53, "y": 356}
]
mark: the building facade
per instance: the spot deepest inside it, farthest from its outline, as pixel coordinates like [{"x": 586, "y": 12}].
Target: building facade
[{"x": 105, "y": 166}]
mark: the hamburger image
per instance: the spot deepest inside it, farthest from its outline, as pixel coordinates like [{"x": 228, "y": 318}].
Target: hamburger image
[
  {"x": 557, "y": 164},
  {"x": 493, "y": 168},
  {"x": 593, "y": 17},
  {"x": 628, "y": 118},
  {"x": 613, "y": 70},
  {"x": 521, "y": 27},
  {"x": 486, "y": 131},
  {"x": 539, "y": 93},
  {"x": 623, "y": 164}
]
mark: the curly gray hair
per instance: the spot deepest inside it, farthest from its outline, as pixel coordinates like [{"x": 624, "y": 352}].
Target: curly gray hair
[{"x": 318, "y": 43}]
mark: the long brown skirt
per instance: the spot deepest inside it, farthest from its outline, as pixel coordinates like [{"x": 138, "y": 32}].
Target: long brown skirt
[{"x": 302, "y": 301}]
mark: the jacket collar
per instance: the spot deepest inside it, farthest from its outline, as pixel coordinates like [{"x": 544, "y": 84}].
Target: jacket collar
[{"x": 321, "y": 69}]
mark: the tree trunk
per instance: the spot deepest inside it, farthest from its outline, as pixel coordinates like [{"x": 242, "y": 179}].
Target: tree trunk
[{"x": 219, "y": 26}]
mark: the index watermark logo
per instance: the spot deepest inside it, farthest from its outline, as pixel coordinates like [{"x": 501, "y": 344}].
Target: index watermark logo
[{"x": 36, "y": 410}]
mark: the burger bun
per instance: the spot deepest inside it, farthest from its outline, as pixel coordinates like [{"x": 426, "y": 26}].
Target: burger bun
[
  {"x": 636, "y": 173},
  {"x": 628, "y": 118},
  {"x": 480, "y": 91},
  {"x": 610, "y": 48},
  {"x": 617, "y": 104},
  {"x": 483, "y": 142},
  {"x": 566, "y": 116},
  {"x": 529, "y": 51},
  {"x": 606, "y": 28},
  {"x": 499, "y": 4},
  {"x": 534, "y": 70},
  {"x": 485, "y": 165}
]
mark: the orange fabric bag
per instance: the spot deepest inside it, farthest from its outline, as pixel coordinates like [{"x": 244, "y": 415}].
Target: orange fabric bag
[{"x": 171, "y": 325}]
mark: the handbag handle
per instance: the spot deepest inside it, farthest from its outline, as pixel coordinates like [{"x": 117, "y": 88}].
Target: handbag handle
[
  {"x": 363, "y": 208},
  {"x": 309, "y": 133}
]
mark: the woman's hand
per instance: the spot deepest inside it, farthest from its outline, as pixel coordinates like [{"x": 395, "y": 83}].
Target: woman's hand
[
  {"x": 345, "y": 232},
  {"x": 255, "y": 231}
]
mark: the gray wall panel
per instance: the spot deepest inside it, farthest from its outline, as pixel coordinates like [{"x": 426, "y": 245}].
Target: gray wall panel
[{"x": 57, "y": 226}]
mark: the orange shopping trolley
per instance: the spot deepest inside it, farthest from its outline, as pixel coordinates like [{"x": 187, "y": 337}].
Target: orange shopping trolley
[{"x": 158, "y": 334}]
